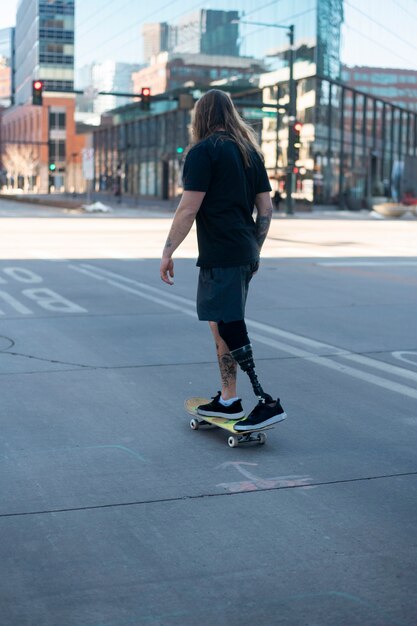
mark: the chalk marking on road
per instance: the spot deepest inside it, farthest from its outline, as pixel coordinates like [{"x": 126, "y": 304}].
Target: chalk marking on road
[
  {"x": 284, "y": 347},
  {"x": 253, "y": 482}
]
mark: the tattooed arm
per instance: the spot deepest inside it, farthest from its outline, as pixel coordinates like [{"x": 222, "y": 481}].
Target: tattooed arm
[
  {"x": 183, "y": 220},
  {"x": 263, "y": 219}
]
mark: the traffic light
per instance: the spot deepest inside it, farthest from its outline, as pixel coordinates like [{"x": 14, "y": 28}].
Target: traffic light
[
  {"x": 296, "y": 138},
  {"x": 52, "y": 167},
  {"x": 145, "y": 98},
  {"x": 37, "y": 89}
]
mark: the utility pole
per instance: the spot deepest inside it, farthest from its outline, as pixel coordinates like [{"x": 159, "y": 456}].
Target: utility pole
[{"x": 292, "y": 113}]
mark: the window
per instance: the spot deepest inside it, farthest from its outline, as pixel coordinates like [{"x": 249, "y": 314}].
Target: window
[
  {"x": 57, "y": 150},
  {"x": 56, "y": 120}
]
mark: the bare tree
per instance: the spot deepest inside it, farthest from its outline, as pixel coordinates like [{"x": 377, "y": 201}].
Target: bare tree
[{"x": 21, "y": 161}]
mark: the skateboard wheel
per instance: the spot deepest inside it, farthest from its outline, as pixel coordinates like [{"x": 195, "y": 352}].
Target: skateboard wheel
[
  {"x": 233, "y": 442},
  {"x": 194, "y": 424},
  {"x": 261, "y": 438}
]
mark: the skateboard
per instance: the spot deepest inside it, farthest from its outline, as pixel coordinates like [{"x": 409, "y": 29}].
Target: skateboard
[{"x": 257, "y": 435}]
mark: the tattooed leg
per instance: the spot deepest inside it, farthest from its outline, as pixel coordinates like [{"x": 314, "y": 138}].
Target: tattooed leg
[{"x": 227, "y": 365}]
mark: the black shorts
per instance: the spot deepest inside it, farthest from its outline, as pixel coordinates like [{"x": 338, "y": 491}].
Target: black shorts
[{"x": 222, "y": 292}]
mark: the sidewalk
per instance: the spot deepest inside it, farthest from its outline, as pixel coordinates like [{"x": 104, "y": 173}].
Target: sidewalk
[{"x": 155, "y": 207}]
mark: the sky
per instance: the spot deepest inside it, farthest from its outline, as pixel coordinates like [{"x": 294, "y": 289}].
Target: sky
[{"x": 376, "y": 32}]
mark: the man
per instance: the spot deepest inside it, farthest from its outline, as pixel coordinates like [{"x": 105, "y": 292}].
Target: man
[{"x": 224, "y": 177}]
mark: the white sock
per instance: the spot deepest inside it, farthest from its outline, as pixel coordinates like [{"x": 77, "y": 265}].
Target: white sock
[{"x": 227, "y": 402}]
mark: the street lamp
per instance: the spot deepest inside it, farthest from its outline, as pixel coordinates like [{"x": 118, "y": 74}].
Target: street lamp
[{"x": 292, "y": 110}]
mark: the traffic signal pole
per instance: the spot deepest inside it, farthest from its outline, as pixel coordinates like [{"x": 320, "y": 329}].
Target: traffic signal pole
[{"x": 292, "y": 113}]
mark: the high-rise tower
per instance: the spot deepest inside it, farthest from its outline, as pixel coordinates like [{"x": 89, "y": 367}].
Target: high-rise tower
[{"x": 44, "y": 43}]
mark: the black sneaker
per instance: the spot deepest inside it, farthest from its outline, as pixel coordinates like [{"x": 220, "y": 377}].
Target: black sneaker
[
  {"x": 261, "y": 416},
  {"x": 216, "y": 409}
]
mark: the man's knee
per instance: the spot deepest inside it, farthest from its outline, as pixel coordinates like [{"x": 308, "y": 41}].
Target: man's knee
[{"x": 234, "y": 334}]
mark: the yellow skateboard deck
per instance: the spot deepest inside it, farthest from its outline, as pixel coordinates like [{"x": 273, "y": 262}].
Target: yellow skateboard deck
[{"x": 256, "y": 435}]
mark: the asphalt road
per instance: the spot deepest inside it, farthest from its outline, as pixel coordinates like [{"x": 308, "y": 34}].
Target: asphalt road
[{"x": 115, "y": 513}]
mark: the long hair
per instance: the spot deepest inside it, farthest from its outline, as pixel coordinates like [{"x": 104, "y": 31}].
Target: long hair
[{"x": 214, "y": 111}]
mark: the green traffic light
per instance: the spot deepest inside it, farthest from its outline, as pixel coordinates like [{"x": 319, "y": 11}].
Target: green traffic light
[
  {"x": 180, "y": 150},
  {"x": 52, "y": 167}
]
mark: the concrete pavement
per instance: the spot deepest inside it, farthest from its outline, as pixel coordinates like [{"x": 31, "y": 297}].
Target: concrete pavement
[{"x": 114, "y": 512}]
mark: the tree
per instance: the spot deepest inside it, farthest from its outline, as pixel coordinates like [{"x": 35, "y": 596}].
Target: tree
[{"x": 21, "y": 161}]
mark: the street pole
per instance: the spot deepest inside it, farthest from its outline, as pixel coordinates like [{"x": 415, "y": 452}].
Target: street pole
[{"x": 292, "y": 113}]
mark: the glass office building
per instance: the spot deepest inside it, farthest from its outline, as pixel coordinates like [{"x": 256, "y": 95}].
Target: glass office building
[
  {"x": 44, "y": 46},
  {"x": 6, "y": 66},
  {"x": 317, "y": 25}
]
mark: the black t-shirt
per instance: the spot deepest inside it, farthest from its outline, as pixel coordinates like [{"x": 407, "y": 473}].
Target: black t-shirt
[{"x": 226, "y": 229}]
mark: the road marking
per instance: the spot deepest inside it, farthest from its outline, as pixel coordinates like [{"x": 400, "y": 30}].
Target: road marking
[
  {"x": 187, "y": 306},
  {"x": 339, "y": 367},
  {"x": 367, "y": 263},
  {"x": 15, "y": 304},
  {"x": 147, "y": 296},
  {"x": 400, "y": 356}
]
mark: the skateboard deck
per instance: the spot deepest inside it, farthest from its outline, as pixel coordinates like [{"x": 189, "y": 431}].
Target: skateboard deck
[{"x": 256, "y": 435}]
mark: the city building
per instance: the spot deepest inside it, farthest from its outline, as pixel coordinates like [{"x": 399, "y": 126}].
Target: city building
[
  {"x": 44, "y": 43},
  {"x": 317, "y": 34},
  {"x": 156, "y": 39},
  {"x": 40, "y": 148},
  {"x": 395, "y": 85},
  {"x": 172, "y": 70},
  {"x": 353, "y": 144},
  {"x": 208, "y": 31},
  {"x": 110, "y": 76},
  {"x": 6, "y": 66}
]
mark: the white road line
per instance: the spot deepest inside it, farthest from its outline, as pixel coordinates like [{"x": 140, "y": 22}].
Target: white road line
[
  {"x": 339, "y": 367},
  {"x": 136, "y": 292},
  {"x": 367, "y": 263},
  {"x": 187, "y": 306},
  {"x": 131, "y": 281}
]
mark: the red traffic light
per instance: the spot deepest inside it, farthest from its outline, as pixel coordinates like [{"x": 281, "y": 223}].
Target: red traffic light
[
  {"x": 298, "y": 126},
  {"x": 145, "y": 100},
  {"x": 37, "y": 92}
]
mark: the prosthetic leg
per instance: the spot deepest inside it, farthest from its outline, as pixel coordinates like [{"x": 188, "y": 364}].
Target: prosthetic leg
[
  {"x": 267, "y": 411},
  {"x": 236, "y": 336}
]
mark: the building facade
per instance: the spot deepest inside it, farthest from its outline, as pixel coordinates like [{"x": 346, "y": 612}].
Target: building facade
[
  {"x": 173, "y": 70},
  {"x": 156, "y": 39},
  {"x": 354, "y": 146},
  {"x": 354, "y": 143},
  {"x": 44, "y": 43},
  {"x": 6, "y": 66},
  {"x": 110, "y": 76},
  {"x": 395, "y": 85},
  {"x": 40, "y": 148},
  {"x": 208, "y": 31},
  {"x": 317, "y": 34}
]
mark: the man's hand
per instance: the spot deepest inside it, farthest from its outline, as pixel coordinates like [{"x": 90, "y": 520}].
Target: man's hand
[
  {"x": 167, "y": 270},
  {"x": 181, "y": 225}
]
